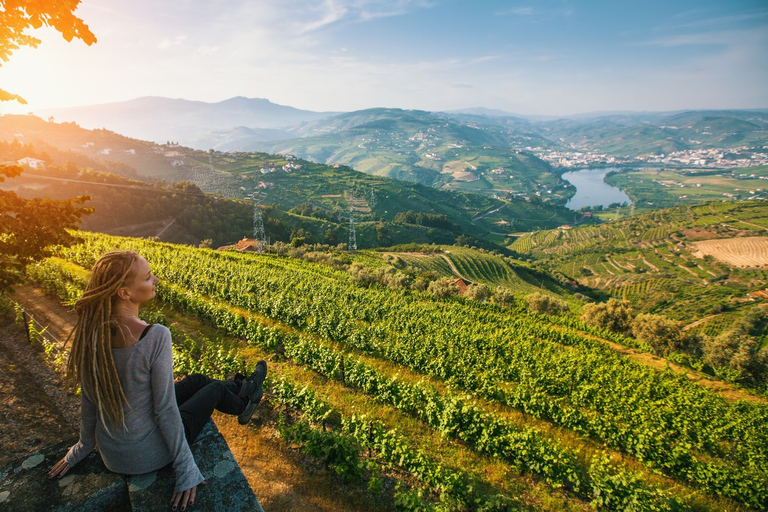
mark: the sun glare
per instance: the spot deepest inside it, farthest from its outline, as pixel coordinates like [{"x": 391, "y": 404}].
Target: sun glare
[{"x": 43, "y": 76}]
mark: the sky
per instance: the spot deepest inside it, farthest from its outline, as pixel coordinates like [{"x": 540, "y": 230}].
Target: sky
[{"x": 548, "y": 57}]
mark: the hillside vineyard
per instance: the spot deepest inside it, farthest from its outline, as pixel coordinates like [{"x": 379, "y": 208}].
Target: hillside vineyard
[{"x": 482, "y": 361}]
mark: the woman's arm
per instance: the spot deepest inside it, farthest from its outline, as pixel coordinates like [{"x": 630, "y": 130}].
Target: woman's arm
[
  {"x": 168, "y": 418},
  {"x": 85, "y": 444}
]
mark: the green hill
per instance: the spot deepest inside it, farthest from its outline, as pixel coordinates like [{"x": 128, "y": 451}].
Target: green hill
[
  {"x": 651, "y": 260},
  {"x": 427, "y": 148},
  {"x": 637, "y": 134},
  {"x": 287, "y": 183}
]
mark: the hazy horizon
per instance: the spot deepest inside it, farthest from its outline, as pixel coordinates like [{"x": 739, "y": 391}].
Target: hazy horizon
[
  {"x": 595, "y": 113},
  {"x": 544, "y": 58}
]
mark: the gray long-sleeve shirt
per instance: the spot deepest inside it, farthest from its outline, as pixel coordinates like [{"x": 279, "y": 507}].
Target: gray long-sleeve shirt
[{"x": 154, "y": 435}]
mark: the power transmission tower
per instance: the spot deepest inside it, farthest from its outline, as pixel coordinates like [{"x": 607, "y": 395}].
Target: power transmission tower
[
  {"x": 262, "y": 244},
  {"x": 352, "y": 246}
]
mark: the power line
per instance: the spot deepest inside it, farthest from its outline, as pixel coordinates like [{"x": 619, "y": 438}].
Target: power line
[{"x": 115, "y": 185}]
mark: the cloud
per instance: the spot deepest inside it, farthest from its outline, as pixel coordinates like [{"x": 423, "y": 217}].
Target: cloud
[
  {"x": 722, "y": 38},
  {"x": 207, "y": 50},
  {"x": 166, "y": 43},
  {"x": 720, "y": 21},
  {"x": 517, "y": 11},
  {"x": 300, "y": 17},
  {"x": 372, "y": 9},
  {"x": 536, "y": 12},
  {"x": 300, "y": 53}
]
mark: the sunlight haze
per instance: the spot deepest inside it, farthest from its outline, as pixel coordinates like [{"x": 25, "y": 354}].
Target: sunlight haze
[{"x": 536, "y": 58}]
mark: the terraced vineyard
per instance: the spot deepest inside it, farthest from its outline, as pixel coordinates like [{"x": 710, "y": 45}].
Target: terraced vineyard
[
  {"x": 474, "y": 406},
  {"x": 480, "y": 266},
  {"x": 658, "y": 260}
]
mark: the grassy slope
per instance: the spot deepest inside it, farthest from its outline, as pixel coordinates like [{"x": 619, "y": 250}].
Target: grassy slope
[
  {"x": 662, "y": 188},
  {"x": 696, "y": 130}
]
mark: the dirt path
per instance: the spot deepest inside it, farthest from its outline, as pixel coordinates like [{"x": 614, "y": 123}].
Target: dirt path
[
  {"x": 744, "y": 221},
  {"x": 453, "y": 267},
  {"x": 654, "y": 267},
  {"x": 752, "y": 224},
  {"x": 38, "y": 410},
  {"x": 699, "y": 321},
  {"x": 490, "y": 212},
  {"x": 160, "y": 233},
  {"x": 46, "y": 310}
]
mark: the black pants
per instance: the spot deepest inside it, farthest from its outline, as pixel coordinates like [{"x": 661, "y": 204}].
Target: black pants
[{"x": 197, "y": 396}]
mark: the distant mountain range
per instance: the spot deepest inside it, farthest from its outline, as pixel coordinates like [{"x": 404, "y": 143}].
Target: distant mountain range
[
  {"x": 161, "y": 119},
  {"x": 239, "y": 121},
  {"x": 479, "y": 150}
]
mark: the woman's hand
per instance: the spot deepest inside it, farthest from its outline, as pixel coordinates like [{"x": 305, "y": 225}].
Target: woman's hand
[
  {"x": 59, "y": 469},
  {"x": 185, "y": 497}
]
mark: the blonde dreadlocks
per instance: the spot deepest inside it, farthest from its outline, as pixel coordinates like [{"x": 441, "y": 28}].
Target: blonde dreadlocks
[{"x": 90, "y": 360}]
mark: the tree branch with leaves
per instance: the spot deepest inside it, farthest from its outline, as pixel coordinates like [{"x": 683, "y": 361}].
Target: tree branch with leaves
[
  {"x": 28, "y": 227},
  {"x": 18, "y": 16}
]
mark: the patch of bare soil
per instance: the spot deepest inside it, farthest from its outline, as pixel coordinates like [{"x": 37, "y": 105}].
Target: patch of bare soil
[
  {"x": 282, "y": 477},
  {"x": 743, "y": 252},
  {"x": 699, "y": 232},
  {"x": 46, "y": 310}
]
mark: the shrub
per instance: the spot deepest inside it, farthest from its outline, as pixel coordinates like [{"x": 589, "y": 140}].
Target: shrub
[
  {"x": 443, "y": 288},
  {"x": 546, "y": 304},
  {"x": 362, "y": 275},
  {"x": 478, "y": 292},
  {"x": 614, "y": 315},
  {"x": 503, "y": 296},
  {"x": 663, "y": 334},
  {"x": 396, "y": 279},
  {"x": 736, "y": 356}
]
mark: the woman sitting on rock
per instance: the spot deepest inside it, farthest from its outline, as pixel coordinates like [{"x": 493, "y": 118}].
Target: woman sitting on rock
[{"x": 131, "y": 409}]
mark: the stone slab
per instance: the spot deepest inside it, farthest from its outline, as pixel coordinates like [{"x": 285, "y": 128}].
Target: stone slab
[
  {"x": 91, "y": 487},
  {"x": 226, "y": 487}
]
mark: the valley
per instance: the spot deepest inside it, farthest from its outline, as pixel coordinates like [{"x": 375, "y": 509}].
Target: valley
[{"x": 482, "y": 346}]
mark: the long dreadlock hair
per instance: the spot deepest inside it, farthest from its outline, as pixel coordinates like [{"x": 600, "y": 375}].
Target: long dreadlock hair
[{"x": 90, "y": 359}]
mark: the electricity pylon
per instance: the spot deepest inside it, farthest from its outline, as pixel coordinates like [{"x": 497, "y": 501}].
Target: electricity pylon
[
  {"x": 352, "y": 246},
  {"x": 262, "y": 244}
]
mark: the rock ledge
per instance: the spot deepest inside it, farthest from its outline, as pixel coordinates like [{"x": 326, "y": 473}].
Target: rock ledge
[{"x": 92, "y": 487}]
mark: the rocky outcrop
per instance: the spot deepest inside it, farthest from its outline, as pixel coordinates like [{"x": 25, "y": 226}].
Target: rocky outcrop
[{"x": 91, "y": 487}]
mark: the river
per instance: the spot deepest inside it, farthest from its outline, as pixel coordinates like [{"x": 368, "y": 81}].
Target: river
[{"x": 592, "y": 190}]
